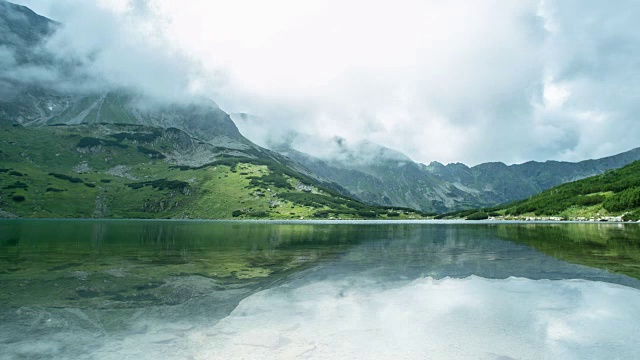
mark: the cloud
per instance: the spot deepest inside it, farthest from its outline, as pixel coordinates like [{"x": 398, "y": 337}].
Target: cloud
[
  {"x": 449, "y": 81},
  {"x": 592, "y": 52},
  {"x": 101, "y": 46},
  {"x": 348, "y": 317},
  {"x": 467, "y": 318}
]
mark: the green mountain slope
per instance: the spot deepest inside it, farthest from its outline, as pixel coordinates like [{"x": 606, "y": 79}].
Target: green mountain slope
[
  {"x": 115, "y": 152},
  {"x": 126, "y": 171},
  {"x": 203, "y": 133},
  {"x": 500, "y": 183},
  {"x": 616, "y": 193}
]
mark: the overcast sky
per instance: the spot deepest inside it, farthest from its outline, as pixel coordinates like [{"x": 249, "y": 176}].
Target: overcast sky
[{"x": 452, "y": 81}]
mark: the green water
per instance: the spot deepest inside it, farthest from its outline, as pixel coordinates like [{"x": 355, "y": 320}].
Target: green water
[
  {"x": 114, "y": 264},
  {"x": 613, "y": 247},
  {"x": 104, "y": 288},
  {"x": 131, "y": 263}
]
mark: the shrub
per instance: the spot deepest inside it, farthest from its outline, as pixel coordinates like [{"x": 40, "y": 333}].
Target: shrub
[
  {"x": 366, "y": 214},
  {"x": 66, "y": 177},
  {"x": 90, "y": 185},
  {"x": 17, "y": 185},
  {"x": 632, "y": 216},
  {"x": 154, "y": 154},
  {"x": 89, "y": 142},
  {"x": 465, "y": 213},
  {"x": 480, "y": 215},
  {"x": 590, "y": 200},
  {"x": 237, "y": 213},
  {"x": 273, "y": 179},
  {"x": 259, "y": 214},
  {"x": 18, "y": 198},
  {"x": 161, "y": 184},
  {"x": 139, "y": 137},
  {"x": 52, "y": 189},
  {"x": 624, "y": 200},
  {"x": 320, "y": 214},
  {"x": 15, "y": 173}
]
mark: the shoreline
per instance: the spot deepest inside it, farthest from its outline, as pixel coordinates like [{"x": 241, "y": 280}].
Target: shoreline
[{"x": 346, "y": 221}]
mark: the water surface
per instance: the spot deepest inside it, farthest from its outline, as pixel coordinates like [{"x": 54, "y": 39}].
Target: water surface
[{"x": 167, "y": 289}]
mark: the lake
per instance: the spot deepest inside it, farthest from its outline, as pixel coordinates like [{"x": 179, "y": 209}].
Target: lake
[{"x": 136, "y": 289}]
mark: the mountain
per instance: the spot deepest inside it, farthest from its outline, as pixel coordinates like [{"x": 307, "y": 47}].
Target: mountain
[
  {"x": 22, "y": 29},
  {"x": 36, "y": 103},
  {"x": 197, "y": 134},
  {"x": 615, "y": 193},
  {"x": 134, "y": 171},
  {"x": 387, "y": 181},
  {"x": 398, "y": 181},
  {"x": 500, "y": 183},
  {"x": 117, "y": 153}
]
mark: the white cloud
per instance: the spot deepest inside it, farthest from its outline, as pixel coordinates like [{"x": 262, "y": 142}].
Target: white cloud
[
  {"x": 555, "y": 95},
  {"x": 472, "y": 318},
  {"x": 108, "y": 44},
  {"x": 449, "y": 81}
]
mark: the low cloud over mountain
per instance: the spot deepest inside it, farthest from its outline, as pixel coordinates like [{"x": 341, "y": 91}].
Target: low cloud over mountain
[{"x": 454, "y": 81}]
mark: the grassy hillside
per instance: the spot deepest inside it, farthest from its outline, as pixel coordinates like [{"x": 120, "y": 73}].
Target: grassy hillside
[
  {"x": 124, "y": 171},
  {"x": 614, "y": 193}
]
